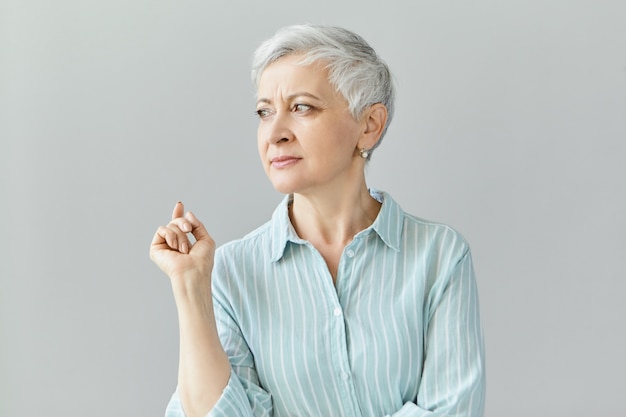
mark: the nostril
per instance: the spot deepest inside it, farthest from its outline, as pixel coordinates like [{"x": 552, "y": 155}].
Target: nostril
[{"x": 280, "y": 139}]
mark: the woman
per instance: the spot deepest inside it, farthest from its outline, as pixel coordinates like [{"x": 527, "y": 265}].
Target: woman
[{"x": 342, "y": 304}]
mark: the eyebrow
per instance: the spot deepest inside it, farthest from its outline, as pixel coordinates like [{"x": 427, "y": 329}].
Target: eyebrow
[{"x": 290, "y": 97}]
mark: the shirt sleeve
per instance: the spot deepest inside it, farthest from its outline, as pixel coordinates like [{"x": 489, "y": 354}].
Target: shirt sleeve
[
  {"x": 235, "y": 401},
  {"x": 242, "y": 396},
  {"x": 453, "y": 379}
]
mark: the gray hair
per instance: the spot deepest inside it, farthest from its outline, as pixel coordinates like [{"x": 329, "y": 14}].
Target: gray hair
[{"x": 355, "y": 70}]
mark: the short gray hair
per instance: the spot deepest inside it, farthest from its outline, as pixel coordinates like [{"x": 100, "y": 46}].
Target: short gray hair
[{"x": 355, "y": 70}]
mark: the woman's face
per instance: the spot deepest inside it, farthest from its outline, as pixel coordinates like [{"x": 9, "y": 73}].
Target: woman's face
[{"x": 308, "y": 140}]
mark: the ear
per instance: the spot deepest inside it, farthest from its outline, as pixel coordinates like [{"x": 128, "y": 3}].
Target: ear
[{"x": 374, "y": 119}]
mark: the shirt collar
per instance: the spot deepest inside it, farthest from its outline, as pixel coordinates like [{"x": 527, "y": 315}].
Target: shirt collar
[
  {"x": 281, "y": 229},
  {"x": 388, "y": 225},
  {"x": 390, "y": 220}
]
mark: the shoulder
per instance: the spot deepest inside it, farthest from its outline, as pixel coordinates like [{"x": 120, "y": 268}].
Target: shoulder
[
  {"x": 435, "y": 246},
  {"x": 256, "y": 240},
  {"x": 237, "y": 264},
  {"x": 420, "y": 233},
  {"x": 441, "y": 252},
  {"x": 434, "y": 233},
  {"x": 443, "y": 248}
]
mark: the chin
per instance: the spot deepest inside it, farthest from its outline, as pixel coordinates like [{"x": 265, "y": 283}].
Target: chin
[{"x": 285, "y": 187}]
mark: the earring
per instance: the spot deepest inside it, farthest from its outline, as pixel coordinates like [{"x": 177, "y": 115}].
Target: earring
[{"x": 364, "y": 153}]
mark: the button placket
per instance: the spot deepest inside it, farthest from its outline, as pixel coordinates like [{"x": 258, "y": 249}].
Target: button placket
[{"x": 345, "y": 279}]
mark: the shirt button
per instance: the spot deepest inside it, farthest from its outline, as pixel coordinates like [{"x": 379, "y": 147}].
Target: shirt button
[
  {"x": 350, "y": 253},
  {"x": 345, "y": 376},
  {"x": 337, "y": 312}
]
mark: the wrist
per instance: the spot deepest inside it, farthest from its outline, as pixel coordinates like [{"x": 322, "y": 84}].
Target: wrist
[{"x": 191, "y": 290}]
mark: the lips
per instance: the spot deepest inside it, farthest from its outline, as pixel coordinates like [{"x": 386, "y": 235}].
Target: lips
[{"x": 284, "y": 161}]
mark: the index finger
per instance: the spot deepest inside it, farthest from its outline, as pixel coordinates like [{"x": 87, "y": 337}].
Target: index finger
[{"x": 179, "y": 210}]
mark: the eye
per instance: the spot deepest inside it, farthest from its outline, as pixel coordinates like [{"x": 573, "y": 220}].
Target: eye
[
  {"x": 302, "y": 108},
  {"x": 262, "y": 113}
]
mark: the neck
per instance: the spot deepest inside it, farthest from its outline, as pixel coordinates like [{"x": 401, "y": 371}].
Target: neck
[{"x": 333, "y": 218}]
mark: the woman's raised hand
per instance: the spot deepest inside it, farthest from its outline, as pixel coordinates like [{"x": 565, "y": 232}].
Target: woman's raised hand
[
  {"x": 183, "y": 261},
  {"x": 204, "y": 369}
]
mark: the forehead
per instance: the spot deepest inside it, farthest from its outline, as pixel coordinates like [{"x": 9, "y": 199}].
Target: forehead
[{"x": 287, "y": 74}]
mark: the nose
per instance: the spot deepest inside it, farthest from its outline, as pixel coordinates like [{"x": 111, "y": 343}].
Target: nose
[{"x": 276, "y": 129}]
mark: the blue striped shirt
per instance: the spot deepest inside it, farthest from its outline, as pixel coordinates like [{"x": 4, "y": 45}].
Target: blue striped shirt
[{"x": 398, "y": 335}]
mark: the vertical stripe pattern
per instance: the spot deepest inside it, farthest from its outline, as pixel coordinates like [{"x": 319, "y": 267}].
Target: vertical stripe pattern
[{"x": 398, "y": 335}]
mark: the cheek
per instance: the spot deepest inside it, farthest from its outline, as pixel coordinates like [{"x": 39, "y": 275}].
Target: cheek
[
  {"x": 345, "y": 126},
  {"x": 346, "y": 137},
  {"x": 261, "y": 144},
  {"x": 262, "y": 148}
]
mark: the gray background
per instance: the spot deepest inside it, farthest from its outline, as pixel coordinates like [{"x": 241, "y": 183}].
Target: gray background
[{"x": 510, "y": 126}]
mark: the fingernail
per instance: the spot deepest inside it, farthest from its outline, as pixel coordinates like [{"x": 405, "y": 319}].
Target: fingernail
[{"x": 184, "y": 248}]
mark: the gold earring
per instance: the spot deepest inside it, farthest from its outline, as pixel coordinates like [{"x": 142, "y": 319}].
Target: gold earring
[{"x": 365, "y": 153}]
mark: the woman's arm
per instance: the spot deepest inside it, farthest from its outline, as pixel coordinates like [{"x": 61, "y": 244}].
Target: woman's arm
[
  {"x": 204, "y": 369},
  {"x": 453, "y": 377}
]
